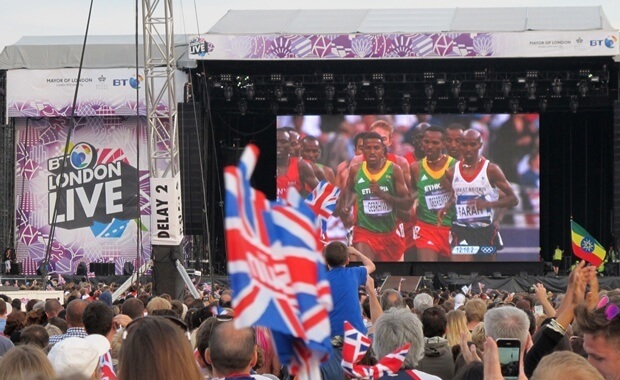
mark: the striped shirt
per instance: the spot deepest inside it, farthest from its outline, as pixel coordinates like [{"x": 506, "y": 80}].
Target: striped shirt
[{"x": 77, "y": 332}]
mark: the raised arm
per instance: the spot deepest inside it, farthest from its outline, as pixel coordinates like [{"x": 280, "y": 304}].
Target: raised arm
[{"x": 366, "y": 262}]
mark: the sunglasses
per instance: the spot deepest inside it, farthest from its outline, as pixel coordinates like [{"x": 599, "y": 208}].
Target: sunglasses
[
  {"x": 175, "y": 321},
  {"x": 611, "y": 309}
]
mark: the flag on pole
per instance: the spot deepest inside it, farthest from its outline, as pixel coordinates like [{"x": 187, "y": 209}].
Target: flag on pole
[
  {"x": 276, "y": 271},
  {"x": 585, "y": 246}
]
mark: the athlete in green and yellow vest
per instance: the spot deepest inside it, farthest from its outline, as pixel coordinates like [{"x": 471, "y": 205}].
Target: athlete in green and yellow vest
[
  {"x": 373, "y": 213},
  {"x": 431, "y": 196}
]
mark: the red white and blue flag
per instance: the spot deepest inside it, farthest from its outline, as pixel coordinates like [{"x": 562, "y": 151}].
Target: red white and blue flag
[
  {"x": 322, "y": 200},
  {"x": 355, "y": 347},
  {"x": 276, "y": 271}
]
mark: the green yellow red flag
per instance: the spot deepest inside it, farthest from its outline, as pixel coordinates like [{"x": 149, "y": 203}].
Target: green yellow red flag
[{"x": 585, "y": 246}]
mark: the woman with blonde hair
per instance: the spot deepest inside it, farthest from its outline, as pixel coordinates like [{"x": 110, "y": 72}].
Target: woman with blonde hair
[
  {"x": 25, "y": 361},
  {"x": 457, "y": 323}
]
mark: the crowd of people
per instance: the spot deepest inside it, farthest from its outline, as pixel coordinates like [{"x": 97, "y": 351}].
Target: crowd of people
[
  {"x": 452, "y": 335},
  {"x": 422, "y": 191}
]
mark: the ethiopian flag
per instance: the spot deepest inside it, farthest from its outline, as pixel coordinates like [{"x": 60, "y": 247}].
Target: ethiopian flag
[{"x": 585, "y": 246}]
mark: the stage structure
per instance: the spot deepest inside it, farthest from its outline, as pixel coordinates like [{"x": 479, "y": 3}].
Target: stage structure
[
  {"x": 354, "y": 63},
  {"x": 98, "y": 195}
]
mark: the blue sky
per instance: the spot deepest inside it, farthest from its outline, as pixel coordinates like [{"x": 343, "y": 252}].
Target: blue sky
[{"x": 68, "y": 17}]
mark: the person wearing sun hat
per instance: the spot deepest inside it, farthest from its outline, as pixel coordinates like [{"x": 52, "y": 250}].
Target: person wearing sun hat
[{"x": 79, "y": 355}]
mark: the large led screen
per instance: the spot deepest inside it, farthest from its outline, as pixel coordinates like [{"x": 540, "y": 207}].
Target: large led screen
[{"x": 421, "y": 187}]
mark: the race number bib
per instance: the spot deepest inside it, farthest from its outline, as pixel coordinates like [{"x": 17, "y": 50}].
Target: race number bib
[
  {"x": 436, "y": 199},
  {"x": 376, "y": 207},
  {"x": 467, "y": 212}
]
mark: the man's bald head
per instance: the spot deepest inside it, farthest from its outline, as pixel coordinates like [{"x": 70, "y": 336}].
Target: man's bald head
[
  {"x": 231, "y": 350},
  {"x": 75, "y": 311}
]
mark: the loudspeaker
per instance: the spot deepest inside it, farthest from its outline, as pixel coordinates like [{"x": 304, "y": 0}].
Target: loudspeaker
[
  {"x": 166, "y": 277},
  {"x": 82, "y": 269},
  {"x": 128, "y": 268},
  {"x": 16, "y": 268}
]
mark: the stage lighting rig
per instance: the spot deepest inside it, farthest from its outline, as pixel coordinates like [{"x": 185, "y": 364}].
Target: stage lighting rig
[
  {"x": 351, "y": 90},
  {"x": 431, "y": 105},
  {"x": 330, "y": 91},
  {"x": 556, "y": 87},
  {"x": 506, "y": 88},
  {"x": 461, "y": 105},
  {"x": 243, "y": 106},
  {"x": 481, "y": 89},
  {"x": 379, "y": 91},
  {"x": 299, "y": 93},
  {"x": 531, "y": 90},
  {"x": 429, "y": 91},
  {"x": 228, "y": 93},
  {"x": 573, "y": 103},
  {"x": 514, "y": 105},
  {"x": 583, "y": 88},
  {"x": 278, "y": 92},
  {"x": 542, "y": 105},
  {"x": 456, "y": 88},
  {"x": 406, "y": 103},
  {"x": 488, "y": 105}
]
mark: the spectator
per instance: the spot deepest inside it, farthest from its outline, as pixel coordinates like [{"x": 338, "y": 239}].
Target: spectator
[
  {"x": 601, "y": 335},
  {"x": 474, "y": 311},
  {"x": 5, "y": 345},
  {"x": 3, "y": 313},
  {"x": 422, "y": 302},
  {"x": 232, "y": 352},
  {"x": 35, "y": 334},
  {"x": 391, "y": 298},
  {"x": 395, "y": 328},
  {"x": 75, "y": 311},
  {"x": 52, "y": 308},
  {"x": 133, "y": 308},
  {"x": 437, "y": 354},
  {"x": 158, "y": 303},
  {"x": 507, "y": 322},
  {"x": 457, "y": 323},
  {"x": 146, "y": 353},
  {"x": 75, "y": 355},
  {"x": 25, "y": 362},
  {"x": 565, "y": 365}
]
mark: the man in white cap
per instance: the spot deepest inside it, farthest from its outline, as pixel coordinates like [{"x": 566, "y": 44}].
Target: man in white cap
[{"x": 79, "y": 356}]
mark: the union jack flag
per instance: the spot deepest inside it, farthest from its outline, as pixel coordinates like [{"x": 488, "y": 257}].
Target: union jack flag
[
  {"x": 276, "y": 271},
  {"x": 322, "y": 200},
  {"x": 355, "y": 347}
]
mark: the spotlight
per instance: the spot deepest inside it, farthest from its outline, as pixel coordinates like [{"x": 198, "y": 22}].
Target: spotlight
[
  {"x": 542, "y": 105},
  {"x": 243, "y": 106},
  {"x": 531, "y": 90},
  {"x": 406, "y": 105},
  {"x": 329, "y": 107},
  {"x": 330, "y": 91},
  {"x": 506, "y": 87},
  {"x": 228, "y": 93},
  {"x": 481, "y": 89},
  {"x": 274, "y": 107},
  {"x": 278, "y": 92},
  {"x": 351, "y": 107},
  {"x": 250, "y": 91},
  {"x": 514, "y": 105},
  {"x": 583, "y": 88},
  {"x": 456, "y": 88},
  {"x": 574, "y": 103},
  {"x": 379, "y": 91},
  {"x": 430, "y": 106},
  {"x": 461, "y": 105},
  {"x": 556, "y": 87},
  {"x": 299, "y": 109},
  {"x": 299, "y": 92},
  {"x": 428, "y": 91},
  {"x": 381, "y": 108},
  {"x": 488, "y": 105},
  {"x": 351, "y": 90}
]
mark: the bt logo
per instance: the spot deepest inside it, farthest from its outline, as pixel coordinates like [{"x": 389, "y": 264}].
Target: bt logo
[
  {"x": 133, "y": 82},
  {"x": 609, "y": 42}
]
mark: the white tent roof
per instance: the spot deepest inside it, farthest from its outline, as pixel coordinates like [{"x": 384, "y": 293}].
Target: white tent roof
[
  {"x": 55, "y": 52},
  {"x": 411, "y": 20}
]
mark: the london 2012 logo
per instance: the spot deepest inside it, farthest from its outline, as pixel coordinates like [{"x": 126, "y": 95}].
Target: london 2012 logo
[{"x": 83, "y": 155}]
